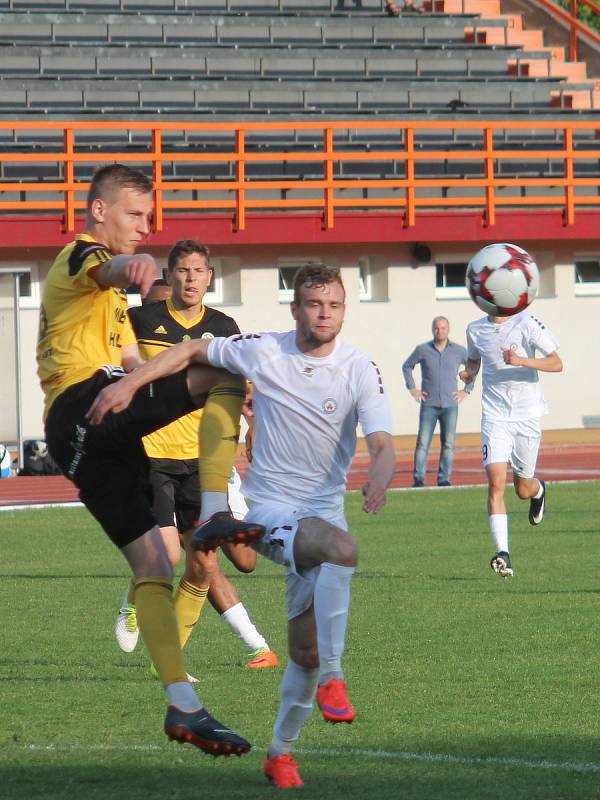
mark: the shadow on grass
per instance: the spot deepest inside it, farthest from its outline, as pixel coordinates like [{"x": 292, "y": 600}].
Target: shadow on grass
[{"x": 170, "y": 774}]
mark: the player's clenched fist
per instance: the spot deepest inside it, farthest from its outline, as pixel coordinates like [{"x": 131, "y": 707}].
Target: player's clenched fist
[{"x": 142, "y": 272}]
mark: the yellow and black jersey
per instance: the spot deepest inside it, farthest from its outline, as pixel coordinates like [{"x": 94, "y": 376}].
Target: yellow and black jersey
[
  {"x": 160, "y": 325},
  {"x": 83, "y": 326}
]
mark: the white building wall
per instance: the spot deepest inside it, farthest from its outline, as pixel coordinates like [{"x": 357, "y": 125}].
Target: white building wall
[{"x": 388, "y": 329}]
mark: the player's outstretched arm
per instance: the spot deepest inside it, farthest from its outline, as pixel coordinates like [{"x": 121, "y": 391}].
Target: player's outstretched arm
[
  {"x": 549, "y": 363},
  {"x": 381, "y": 470},
  {"x": 130, "y": 357},
  {"x": 123, "y": 271},
  {"x": 118, "y": 396}
]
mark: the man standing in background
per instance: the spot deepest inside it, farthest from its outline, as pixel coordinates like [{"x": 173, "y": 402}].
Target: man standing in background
[{"x": 440, "y": 361}]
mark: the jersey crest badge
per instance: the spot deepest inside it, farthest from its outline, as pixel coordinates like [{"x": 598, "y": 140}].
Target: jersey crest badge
[
  {"x": 329, "y": 406},
  {"x": 160, "y": 329},
  {"x": 207, "y": 335}
]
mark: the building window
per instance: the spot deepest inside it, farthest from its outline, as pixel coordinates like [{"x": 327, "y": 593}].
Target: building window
[
  {"x": 373, "y": 280},
  {"x": 29, "y": 289},
  {"x": 587, "y": 277},
  {"x": 214, "y": 295},
  {"x": 286, "y": 278},
  {"x": 133, "y": 297},
  {"x": 450, "y": 280},
  {"x": 287, "y": 273},
  {"x": 365, "y": 279},
  {"x": 449, "y": 275}
]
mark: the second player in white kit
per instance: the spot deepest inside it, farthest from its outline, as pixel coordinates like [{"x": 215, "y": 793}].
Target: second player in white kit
[
  {"x": 512, "y": 405},
  {"x": 310, "y": 390}
]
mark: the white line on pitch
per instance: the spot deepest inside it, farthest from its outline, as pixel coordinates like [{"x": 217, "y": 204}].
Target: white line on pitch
[{"x": 388, "y": 755}]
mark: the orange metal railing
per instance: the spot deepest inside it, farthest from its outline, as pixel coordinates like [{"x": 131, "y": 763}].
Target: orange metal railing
[
  {"x": 576, "y": 28},
  {"x": 487, "y": 149}
]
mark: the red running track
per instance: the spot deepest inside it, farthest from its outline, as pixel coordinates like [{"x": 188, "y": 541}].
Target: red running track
[{"x": 555, "y": 463}]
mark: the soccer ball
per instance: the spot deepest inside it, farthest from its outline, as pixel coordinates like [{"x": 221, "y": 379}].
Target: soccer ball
[{"x": 502, "y": 279}]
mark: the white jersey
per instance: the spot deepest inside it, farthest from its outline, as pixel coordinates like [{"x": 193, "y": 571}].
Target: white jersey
[
  {"x": 306, "y": 412},
  {"x": 510, "y": 392}
]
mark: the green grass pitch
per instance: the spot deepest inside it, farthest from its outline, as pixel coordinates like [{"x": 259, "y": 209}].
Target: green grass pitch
[{"x": 466, "y": 685}]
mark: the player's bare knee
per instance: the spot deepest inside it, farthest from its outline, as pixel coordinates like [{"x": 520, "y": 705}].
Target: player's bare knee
[
  {"x": 522, "y": 488},
  {"x": 147, "y": 555},
  {"x": 241, "y": 556},
  {"x": 496, "y": 488},
  {"x": 343, "y": 550},
  {"x": 151, "y": 567}
]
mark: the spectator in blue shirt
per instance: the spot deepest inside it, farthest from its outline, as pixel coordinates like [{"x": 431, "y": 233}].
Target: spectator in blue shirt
[{"x": 440, "y": 361}]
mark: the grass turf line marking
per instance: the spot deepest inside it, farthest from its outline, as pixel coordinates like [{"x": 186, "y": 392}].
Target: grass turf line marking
[{"x": 442, "y": 758}]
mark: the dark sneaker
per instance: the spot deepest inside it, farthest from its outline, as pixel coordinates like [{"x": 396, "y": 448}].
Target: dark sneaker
[
  {"x": 537, "y": 507},
  {"x": 333, "y": 701},
  {"x": 500, "y": 563},
  {"x": 222, "y": 528},
  {"x": 444, "y": 483},
  {"x": 203, "y": 731},
  {"x": 418, "y": 484},
  {"x": 283, "y": 772}
]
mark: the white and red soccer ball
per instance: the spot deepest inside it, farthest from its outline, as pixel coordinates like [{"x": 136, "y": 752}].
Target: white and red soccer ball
[{"x": 502, "y": 279}]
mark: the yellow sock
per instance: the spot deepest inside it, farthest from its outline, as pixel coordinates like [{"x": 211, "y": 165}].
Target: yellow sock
[
  {"x": 131, "y": 592},
  {"x": 219, "y": 435},
  {"x": 188, "y": 604},
  {"x": 158, "y": 626}
]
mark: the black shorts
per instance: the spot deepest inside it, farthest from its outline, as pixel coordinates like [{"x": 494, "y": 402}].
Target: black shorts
[
  {"x": 107, "y": 462},
  {"x": 176, "y": 488}
]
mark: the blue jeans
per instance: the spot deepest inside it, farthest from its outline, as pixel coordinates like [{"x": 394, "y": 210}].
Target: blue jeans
[{"x": 428, "y": 419}]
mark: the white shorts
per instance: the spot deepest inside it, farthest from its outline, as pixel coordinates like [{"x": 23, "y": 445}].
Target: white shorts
[
  {"x": 281, "y": 523},
  {"x": 514, "y": 443}
]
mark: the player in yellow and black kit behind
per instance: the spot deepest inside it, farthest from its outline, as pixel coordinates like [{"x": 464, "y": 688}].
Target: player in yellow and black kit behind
[
  {"x": 85, "y": 341},
  {"x": 178, "y": 315}
]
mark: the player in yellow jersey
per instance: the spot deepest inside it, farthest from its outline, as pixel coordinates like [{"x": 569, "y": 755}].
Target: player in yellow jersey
[
  {"x": 180, "y": 314},
  {"x": 85, "y": 342}
]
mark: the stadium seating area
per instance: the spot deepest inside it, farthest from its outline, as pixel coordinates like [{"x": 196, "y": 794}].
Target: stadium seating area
[
  {"x": 268, "y": 57},
  {"x": 219, "y": 60}
]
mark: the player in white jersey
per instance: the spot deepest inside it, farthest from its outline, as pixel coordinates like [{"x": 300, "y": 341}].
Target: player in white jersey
[
  {"x": 310, "y": 390},
  {"x": 512, "y": 404}
]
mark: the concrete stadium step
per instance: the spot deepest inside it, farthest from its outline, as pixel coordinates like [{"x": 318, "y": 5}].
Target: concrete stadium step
[
  {"x": 200, "y": 7},
  {"x": 98, "y": 28},
  {"x": 266, "y": 97},
  {"x": 299, "y": 64},
  {"x": 582, "y": 96},
  {"x": 528, "y": 67},
  {"x": 481, "y": 7}
]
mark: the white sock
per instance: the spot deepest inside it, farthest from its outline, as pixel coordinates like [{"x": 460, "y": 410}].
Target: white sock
[
  {"x": 332, "y": 603},
  {"x": 296, "y": 699},
  {"x": 240, "y": 623},
  {"x": 211, "y": 502},
  {"x": 183, "y": 696},
  {"x": 540, "y": 490},
  {"x": 499, "y": 530}
]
